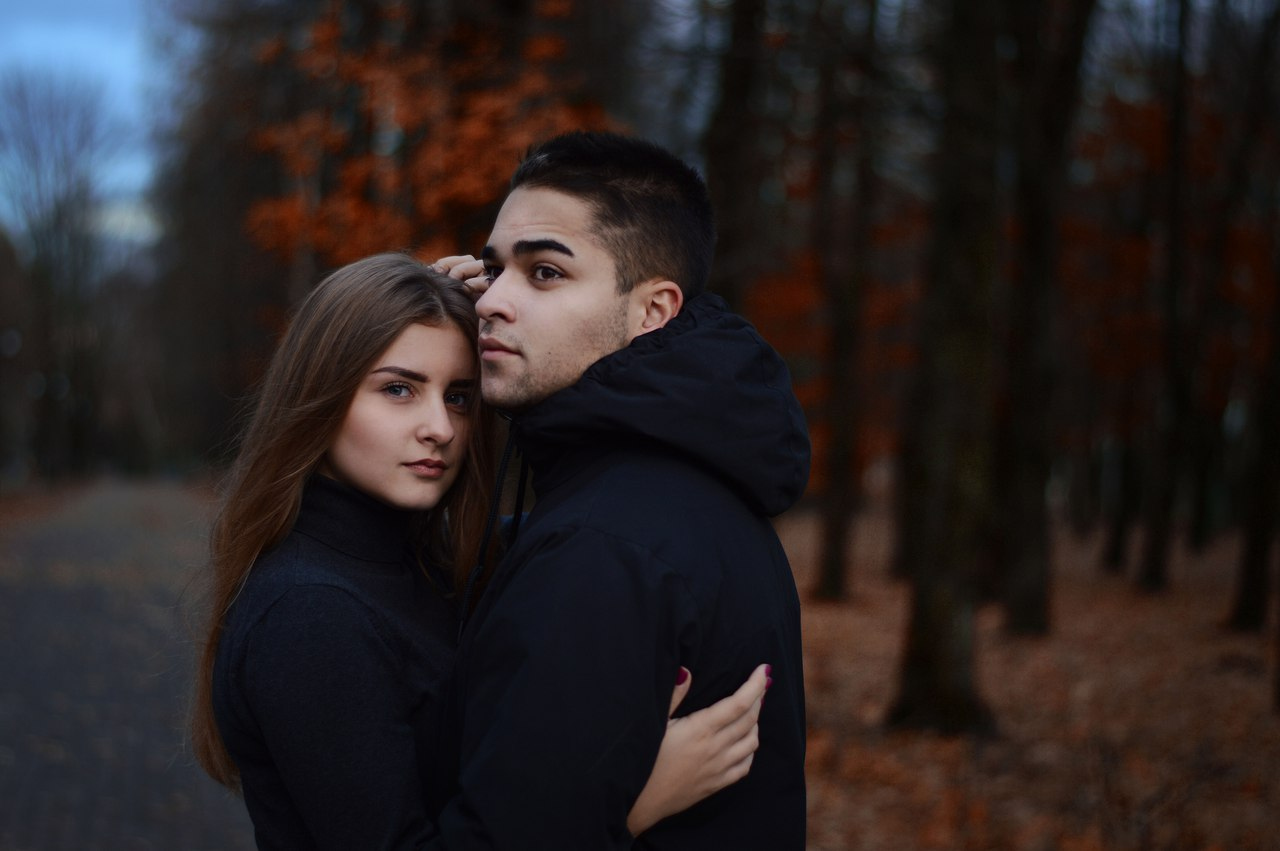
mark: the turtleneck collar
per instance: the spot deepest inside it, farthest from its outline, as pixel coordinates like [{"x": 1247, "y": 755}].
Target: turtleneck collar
[{"x": 353, "y": 522}]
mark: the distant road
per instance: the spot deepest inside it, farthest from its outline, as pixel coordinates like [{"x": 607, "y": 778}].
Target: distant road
[{"x": 94, "y": 671}]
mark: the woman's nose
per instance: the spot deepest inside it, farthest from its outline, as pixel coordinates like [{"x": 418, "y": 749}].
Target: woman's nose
[{"x": 436, "y": 425}]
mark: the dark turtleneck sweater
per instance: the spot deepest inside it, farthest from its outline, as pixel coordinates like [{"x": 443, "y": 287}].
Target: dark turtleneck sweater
[{"x": 329, "y": 676}]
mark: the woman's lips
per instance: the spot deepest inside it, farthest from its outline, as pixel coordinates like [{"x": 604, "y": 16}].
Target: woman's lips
[{"x": 428, "y": 468}]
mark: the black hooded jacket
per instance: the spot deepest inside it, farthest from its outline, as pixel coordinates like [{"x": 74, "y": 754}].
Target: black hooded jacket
[{"x": 649, "y": 547}]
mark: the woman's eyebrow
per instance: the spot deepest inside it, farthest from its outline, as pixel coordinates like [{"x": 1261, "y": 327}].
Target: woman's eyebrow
[{"x": 402, "y": 372}]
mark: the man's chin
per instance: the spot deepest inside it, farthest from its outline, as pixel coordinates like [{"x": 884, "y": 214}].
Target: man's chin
[{"x": 502, "y": 396}]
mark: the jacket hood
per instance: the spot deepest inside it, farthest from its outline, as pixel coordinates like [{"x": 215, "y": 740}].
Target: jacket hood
[{"x": 705, "y": 385}]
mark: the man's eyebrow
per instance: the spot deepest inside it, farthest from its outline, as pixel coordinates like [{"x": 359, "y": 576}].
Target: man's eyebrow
[
  {"x": 528, "y": 246},
  {"x": 402, "y": 372}
]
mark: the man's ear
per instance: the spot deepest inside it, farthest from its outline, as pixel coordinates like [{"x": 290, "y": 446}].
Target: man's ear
[{"x": 654, "y": 304}]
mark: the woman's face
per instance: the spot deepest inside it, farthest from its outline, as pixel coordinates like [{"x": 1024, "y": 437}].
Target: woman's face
[{"x": 404, "y": 436}]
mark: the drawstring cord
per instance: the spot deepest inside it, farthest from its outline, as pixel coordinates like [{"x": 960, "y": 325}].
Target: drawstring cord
[{"x": 519, "y": 515}]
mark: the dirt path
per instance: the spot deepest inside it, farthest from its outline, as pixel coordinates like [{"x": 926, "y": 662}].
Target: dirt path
[
  {"x": 94, "y": 670},
  {"x": 1138, "y": 724}
]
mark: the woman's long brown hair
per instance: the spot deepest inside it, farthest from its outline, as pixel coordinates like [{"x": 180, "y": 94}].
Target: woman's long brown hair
[{"x": 337, "y": 333}]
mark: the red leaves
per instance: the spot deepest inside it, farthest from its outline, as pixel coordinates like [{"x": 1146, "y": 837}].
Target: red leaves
[
  {"x": 545, "y": 48},
  {"x": 1124, "y": 729},
  {"x": 410, "y": 142}
]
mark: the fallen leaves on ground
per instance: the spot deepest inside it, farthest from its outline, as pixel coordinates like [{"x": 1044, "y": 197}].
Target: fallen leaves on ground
[{"x": 1139, "y": 723}]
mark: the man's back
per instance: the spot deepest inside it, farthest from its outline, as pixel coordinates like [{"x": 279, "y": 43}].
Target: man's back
[
  {"x": 649, "y": 548},
  {"x": 722, "y": 589}
]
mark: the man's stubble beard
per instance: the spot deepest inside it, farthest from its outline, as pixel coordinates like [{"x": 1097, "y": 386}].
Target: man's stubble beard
[{"x": 560, "y": 369}]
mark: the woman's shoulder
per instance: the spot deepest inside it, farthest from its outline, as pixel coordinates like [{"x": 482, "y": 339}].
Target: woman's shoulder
[
  {"x": 289, "y": 604},
  {"x": 295, "y": 577}
]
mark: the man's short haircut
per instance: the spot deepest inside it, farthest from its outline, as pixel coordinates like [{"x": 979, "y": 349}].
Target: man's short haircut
[{"x": 651, "y": 210}]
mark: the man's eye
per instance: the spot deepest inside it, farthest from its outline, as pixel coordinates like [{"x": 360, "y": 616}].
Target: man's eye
[
  {"x": 546, "y": 273},
  {"x": 491, "y": 273}
]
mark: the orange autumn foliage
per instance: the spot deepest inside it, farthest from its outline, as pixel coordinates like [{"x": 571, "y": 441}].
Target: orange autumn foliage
[
  {"x": 410, "y": 143},
  {"x": 554, "y": 8},
  {"x": 1114, "y": 250},
  {"x": 790, "y": 308},
  {"x": 544, "y": 48}
]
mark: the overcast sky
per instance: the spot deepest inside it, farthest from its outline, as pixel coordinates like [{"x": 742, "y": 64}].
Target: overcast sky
[{"x": 105, "y": 41}]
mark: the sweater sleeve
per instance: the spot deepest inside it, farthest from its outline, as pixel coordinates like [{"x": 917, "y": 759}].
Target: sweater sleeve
[
  {"x": 566, "y": 691},
  {"x": 323, "y": 684}
]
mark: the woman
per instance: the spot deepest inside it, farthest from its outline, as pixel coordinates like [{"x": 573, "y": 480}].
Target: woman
[{"x": 356, "y": 503}]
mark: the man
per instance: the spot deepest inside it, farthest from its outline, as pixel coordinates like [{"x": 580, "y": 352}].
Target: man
[{"x": 662, "y": 434}]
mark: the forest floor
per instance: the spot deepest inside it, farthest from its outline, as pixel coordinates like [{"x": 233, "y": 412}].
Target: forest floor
[{"x": 1137, "y": 724}]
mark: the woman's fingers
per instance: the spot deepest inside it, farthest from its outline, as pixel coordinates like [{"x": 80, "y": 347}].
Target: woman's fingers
[
  {"x": 739, "y": 710},
  {"x": 460, "y": 266},
  {"x": 740, "y": 725},
  {"x": 743, "y": 747},
  {"x": 684, "y": 681},
  {"x": 467, "y": 269},
  {"x": 476, "y": 286}
]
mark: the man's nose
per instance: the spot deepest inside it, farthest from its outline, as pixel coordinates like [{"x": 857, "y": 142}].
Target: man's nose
[{"x": 494, "y": 301}]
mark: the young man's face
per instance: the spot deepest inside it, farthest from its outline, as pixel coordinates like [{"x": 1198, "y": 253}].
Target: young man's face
[{"x": 552, "y": 308}]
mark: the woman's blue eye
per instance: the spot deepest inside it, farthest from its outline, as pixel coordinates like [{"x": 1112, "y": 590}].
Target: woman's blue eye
[{"x": 398, "y": 390}]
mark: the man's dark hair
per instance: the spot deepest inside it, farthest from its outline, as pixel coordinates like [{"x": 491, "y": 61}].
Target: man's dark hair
[{"x": 651, "y": 210}]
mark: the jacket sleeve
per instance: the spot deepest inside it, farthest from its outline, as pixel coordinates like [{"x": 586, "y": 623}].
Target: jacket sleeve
[
  {"x": 565, "y": 688},
  {"x": 324, "y": 686}
]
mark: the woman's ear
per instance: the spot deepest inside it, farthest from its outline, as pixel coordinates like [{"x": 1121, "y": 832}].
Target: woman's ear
[{"x": 655, "y": 304}]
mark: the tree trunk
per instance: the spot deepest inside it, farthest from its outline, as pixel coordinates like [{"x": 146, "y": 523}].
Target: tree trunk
[
  {"x": 1253, "y": 584},
  {"x": 846, "y": 276},
  {"x": 1115, "y": 553},
  {"x": 1205, "y": 463},
  {"x": 937, "y": 685},
  {"x": 937, "y": 682},
  {"x": 1214, "y": 312},
  {"x": 909, "y": 506},
  {"x": 1046, "y": 93},
  {"x": 1275, "y": 703},
  {"x": 1166, "y": 463},
  {"x": 730, "y": 153}
]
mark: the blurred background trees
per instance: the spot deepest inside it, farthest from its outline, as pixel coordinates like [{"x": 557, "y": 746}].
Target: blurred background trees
[
  {"x": 53, "y": 138},
  {"x": 1020, "y": 254}
]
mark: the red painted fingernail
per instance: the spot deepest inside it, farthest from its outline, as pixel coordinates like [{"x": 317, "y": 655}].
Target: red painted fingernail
[
  {"x": 768, "y": 669},
  {"x": 768, "y": 681},
  {"x": 681, "y": 676}
]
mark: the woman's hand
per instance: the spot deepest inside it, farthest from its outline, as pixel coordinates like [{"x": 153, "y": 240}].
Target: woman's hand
[
  {"x": 467, "y": 269},
  {"x": 703, "y": 752}
]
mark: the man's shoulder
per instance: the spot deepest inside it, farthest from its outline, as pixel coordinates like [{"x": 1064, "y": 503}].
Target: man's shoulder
[
  {"x": 647, "y": 513},
  {"x": 671, "y": 518},
  {"x": 656, "y": 480}
]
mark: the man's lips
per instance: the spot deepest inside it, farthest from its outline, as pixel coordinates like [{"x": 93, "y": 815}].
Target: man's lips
[{"x": 490, "y": 347}]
